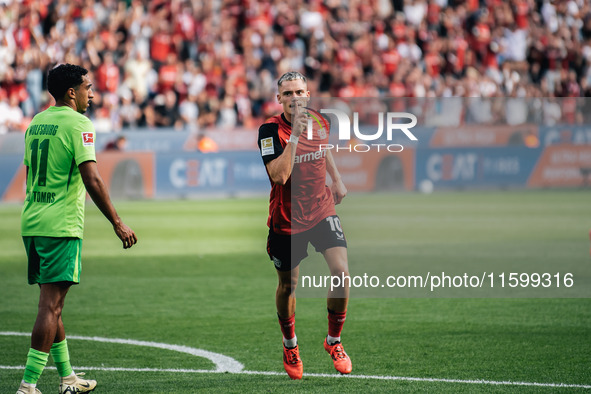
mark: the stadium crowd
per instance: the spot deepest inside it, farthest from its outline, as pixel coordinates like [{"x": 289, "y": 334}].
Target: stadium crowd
[{"x": 194, "y": 64}]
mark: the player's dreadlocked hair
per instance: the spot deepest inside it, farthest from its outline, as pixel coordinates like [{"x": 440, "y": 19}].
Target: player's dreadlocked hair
[
  {"x": 64, "y": 77},
  {"x": 291, "y": 76}
]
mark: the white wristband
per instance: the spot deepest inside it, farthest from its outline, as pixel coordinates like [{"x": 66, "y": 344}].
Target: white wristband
[{"x": 293, "y": 139}]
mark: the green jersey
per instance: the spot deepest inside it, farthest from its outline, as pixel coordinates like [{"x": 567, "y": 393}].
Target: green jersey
[{"x": 57, "y": 141}]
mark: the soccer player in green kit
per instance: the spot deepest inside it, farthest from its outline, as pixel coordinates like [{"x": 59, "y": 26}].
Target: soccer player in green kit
[{"x": 61, "y": 167}]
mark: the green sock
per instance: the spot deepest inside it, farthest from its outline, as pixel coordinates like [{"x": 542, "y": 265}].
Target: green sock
[
  {"x": 36, "y": 361},
  {"x": 61, "y": 357}
]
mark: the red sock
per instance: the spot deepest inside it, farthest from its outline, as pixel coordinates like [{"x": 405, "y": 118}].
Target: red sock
[
  {"x": 335, "y": 323},
  {"x": 288, "y": 327}
]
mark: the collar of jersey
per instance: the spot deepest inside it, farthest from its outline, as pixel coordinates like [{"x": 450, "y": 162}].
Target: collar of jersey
[{"x": 285, "y": 120}]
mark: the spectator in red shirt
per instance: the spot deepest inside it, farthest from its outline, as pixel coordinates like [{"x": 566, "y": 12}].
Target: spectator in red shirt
[
  {"x": 168, "y": 74},
  {"x": 161, "y": 44},
  {"x": 390, "y": 59},
  {"x": 107, "y": 75}
]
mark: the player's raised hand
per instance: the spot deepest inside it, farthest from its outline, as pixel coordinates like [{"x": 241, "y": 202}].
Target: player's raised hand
[
  {"x": 299, "y": 121},
  {"x": 125, "y": 234}
]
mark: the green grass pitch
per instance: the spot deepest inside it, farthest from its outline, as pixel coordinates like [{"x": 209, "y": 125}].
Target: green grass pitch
[{"x": 199, "y": 277}]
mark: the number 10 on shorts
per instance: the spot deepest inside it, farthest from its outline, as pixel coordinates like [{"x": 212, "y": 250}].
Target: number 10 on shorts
[{"x": 335, "y": 226}]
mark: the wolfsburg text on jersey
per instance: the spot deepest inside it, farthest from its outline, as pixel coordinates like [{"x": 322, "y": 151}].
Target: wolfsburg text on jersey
[{"x": 43, "y": 129}]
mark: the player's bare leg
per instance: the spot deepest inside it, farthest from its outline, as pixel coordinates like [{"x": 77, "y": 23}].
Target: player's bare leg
[
  {"x": 286, "y": 304},
  {"x": 49, "y": 337},
  {"x": 337, "y": 301},
  {"x": 49, "y": 327},
  {"x": 338, "y": 298},
  {"x": 285, "y": 295}
]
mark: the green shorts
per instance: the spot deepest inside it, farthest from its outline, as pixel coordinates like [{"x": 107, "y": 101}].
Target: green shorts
[{"x": 53, "y": 259}]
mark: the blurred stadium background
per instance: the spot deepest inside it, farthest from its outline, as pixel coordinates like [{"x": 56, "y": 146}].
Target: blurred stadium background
[
  {"x": 498, "y": 86},
  {"x": 500, "y": 91}
]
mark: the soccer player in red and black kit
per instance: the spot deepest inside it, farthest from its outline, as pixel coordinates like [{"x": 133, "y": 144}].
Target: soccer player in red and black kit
[{"x": 302, "y": 211}]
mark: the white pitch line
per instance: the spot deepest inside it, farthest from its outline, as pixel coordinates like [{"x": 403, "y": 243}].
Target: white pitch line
[
  {"x": 323, "y": 375},
  {"x": 123, "y": 369},
  {"x": 411, "y": 379},
  {"x": 226, "y": 364},
  {"x": 222, "y": 363}
]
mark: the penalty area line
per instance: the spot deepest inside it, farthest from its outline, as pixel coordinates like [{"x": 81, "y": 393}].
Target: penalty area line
[{"x": 324, "y": 375}]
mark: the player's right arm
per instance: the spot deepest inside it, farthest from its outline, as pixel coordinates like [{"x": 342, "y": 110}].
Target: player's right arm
[
  {"x": 279, "y": 165},
  {"x": 98, "y": 192},
  {"x": 279, "y": 169}
]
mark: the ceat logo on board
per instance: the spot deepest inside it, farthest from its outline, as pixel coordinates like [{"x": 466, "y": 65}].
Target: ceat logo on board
[{"x": 87, "y": 139}]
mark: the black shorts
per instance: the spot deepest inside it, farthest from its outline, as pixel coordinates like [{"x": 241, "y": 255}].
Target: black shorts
[{"x": 287, "y": 251}]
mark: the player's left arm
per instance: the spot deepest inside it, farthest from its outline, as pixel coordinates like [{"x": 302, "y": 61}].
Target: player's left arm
[
  {"x": 98, "y": 192},
  {"x": 339, "y": 191}
]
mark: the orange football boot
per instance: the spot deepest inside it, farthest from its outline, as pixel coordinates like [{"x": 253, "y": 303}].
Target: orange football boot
[
  {"x": 342, "y": 362},
  {"x": 292, "y": 362}
]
